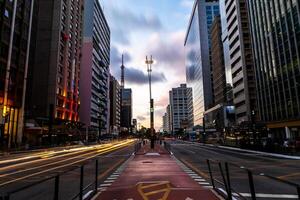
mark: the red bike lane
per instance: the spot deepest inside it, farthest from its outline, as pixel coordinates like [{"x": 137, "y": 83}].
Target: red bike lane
[{"x": 155, "y": 175}]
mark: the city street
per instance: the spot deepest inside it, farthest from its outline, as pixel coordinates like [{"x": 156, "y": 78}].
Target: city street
[
  {"x": 20, "y": 170},
  {"x": 194, "y": 156}
]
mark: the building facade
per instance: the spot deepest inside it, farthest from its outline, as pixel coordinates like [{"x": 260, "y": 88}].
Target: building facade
[
  {"x": 94, "y": 78},
  {"x": 226, "y": 54},
  {"x": 218, "y": 67},
  {"x": 54, "y": 80},
  {"x": 178, "y": 98},
  {"x": 126, "y": 109},
  {"x": 115, "y": 105},
  {"x": 198, "y": 56},
  {"x": 275, "y": 30},
  {"x": 15, "y": 36},
  {"x": 241, "y": 60}
]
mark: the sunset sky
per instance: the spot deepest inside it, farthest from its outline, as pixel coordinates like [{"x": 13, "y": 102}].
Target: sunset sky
[{"x": 148, "y": 27}]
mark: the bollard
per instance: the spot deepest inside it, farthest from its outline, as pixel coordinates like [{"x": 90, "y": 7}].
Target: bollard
[
  {"x": 210, "y": 174},
  {"x": 251, "y": 185},
  {"x": 56, "y": 187},
  {"x": 96, "y": 176},
  {"x": 228, "y": 181},
  {"x": 81, "y": 183}
]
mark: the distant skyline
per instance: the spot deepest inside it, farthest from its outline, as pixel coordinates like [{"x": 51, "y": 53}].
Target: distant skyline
[{"x": 148, "y": 27}]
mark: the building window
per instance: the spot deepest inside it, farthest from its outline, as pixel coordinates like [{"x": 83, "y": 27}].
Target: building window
[{"x": 6, "y": 13}]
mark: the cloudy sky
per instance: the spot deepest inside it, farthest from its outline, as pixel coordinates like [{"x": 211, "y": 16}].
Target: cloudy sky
[{"x": 148, "y": 27}]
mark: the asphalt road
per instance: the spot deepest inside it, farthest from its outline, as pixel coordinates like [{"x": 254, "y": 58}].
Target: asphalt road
[
  {"x": 194, "y": 155},
  {"x": 19, "y": 171}
]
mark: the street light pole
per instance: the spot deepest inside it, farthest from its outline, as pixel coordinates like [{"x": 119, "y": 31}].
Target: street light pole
[{"x": 149, "y": 70}]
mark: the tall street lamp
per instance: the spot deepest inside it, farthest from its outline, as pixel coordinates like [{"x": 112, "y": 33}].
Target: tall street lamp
[{"x": 149, "y": 70}]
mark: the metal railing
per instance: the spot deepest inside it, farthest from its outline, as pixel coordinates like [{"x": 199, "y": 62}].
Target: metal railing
[
  {"x": 224, "y": 171},
  {"x": 56, "y": 182}
]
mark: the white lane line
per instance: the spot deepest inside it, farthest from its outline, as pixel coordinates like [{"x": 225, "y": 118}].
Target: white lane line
[
  {"x": 273, "y": 196},
  {"x": 114, "y": 175},
  {"x": 199, "y": 179},
  {"x": 105, "y": 184},
  {"x": 112, "y": 178},
  {"x": 109, "y": 181},
  {"x": 203, "y": 183},
  {"x": 208, "y": 186},
  {"x": 192, "y": 174},
  {"x": 194, "y": 177}
]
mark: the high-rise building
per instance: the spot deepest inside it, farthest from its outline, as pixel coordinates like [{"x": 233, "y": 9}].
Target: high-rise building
[
  {"x": 178, "y": 98},
  {"x": 198, "y": 56},
  {"x": 241, "y": 60},
  {"x": 15, "y": 36},
  {"x": 126, "y": 109},
  {"x": 115, "y": 105},
  {"x": 275, "y": 30},
  {"x": 165, "y": 122},
  {"x": 169, "y": 119},
  {"x": 54, "y": 80},
  {"x": 218, "y": 68},
  {"x": 226, "y": 54},
  {"x": 94, "y": 77}
]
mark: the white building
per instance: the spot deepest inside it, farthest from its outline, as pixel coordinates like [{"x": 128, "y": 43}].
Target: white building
[{"x": 180, "y": 101}]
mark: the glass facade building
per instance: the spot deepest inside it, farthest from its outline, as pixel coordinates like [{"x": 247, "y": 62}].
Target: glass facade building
[
  {"x": 15, "y": 35},
  {"x": 275, "y": 28},
  {"x": 198, "y": 56}
]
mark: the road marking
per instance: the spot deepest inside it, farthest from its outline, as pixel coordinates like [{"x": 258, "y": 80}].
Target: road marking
[
  {"x": 199, "y": 179},
  {"x": 112, "y": 178},
  {"x": 105, "y": 184},
  {"x": 203, "y": 183},
  {"x": 146, "y": 189},
  {"x": 194, "y": 168},
  {"x": 109, "y": 181}
]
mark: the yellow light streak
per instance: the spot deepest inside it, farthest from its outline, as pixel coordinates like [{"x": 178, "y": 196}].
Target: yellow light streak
[{"x": 100, "y": 152}]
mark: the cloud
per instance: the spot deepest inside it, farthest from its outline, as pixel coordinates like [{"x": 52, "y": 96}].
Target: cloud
[
  {"x": 136, "y": 76},
  {"x": 171, "y": 52},
  {"x": 126, "y": 22},
  {"x": 141, "y": 118},
  {"x": 132, "y": 74}
]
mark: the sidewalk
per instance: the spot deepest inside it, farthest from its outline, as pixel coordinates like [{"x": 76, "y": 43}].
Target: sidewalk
[{"x": 154, "y": 175}]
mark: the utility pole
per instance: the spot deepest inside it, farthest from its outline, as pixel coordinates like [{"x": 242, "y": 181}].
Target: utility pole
[{"x": 149, "y": 70}]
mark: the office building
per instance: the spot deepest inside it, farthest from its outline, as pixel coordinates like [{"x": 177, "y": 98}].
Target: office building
[
  {"x": 241, "y": 60},
  {"x": 55, "y": 68},
  {"x": 275, "y": 30},
  {"x": 165, "y": 123},
  {"x": 226, "y": 54},
  {"x": 198, "y": 56},
  {"x": 115, "y": 105},
  {"x": 178, "y": 98},
  {"x": 15, "y": 36},
  {"x": 94, "y": 77},
  {"x": 126, "y": 109},
  {"x": 218, "y": 68}
]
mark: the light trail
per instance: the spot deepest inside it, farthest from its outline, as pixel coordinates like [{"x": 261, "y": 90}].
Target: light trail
[{"x": 100, "y": 152}]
